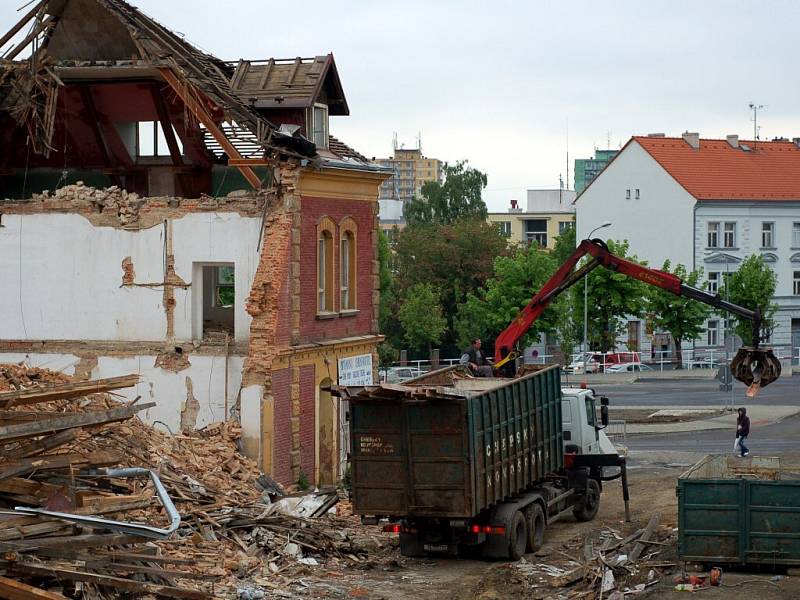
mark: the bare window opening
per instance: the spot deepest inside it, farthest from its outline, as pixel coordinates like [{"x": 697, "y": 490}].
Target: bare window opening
[
  {"x": 151, "y": 141},
  {"x": 219, "y": 298},
  {"x": 320, "y": 126}
]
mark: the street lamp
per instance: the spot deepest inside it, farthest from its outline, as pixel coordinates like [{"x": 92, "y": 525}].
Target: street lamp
[{"x": 585, "y": 300}]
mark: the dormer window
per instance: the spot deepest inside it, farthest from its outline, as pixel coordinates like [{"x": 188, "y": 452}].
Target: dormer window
[{"x": 319, "y": 125}]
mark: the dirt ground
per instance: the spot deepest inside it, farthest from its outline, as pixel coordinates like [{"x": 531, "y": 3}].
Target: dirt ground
[{"x": 652, "y": 489}]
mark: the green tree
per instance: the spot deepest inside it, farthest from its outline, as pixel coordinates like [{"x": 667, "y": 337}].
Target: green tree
[
  {"x": 459, "y": 196},
  {"x": 682, "y": 317},
  {"x": 612, "y": 296},
  {"x": 488, "y": 311},
  {"x": 752, "y": 286},
  {"x": 455, "y": 259},
  {"x": 565, "y": 245},
  {"x": 421, "y": 317}
]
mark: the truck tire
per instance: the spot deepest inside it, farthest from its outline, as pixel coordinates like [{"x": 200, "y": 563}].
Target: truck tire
[
  {"x": 586, "y": 508},
  {"x": 536, "y": 526},
  {"x": 517, "y": 536}
]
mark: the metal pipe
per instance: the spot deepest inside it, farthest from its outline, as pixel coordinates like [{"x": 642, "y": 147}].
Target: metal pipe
[{"x": 121, "y": 526}]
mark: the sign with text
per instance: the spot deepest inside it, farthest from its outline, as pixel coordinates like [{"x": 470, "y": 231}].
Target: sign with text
[{"x": 356, "y": 370}]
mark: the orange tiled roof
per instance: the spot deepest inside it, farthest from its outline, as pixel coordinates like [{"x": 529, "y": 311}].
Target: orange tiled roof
[{"x": 718, "y": 171}]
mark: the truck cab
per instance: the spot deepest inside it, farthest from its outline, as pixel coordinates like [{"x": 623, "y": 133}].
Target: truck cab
[{"x": 579, "y": 421}]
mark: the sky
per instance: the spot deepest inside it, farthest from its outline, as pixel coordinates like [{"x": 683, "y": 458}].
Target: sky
[{"x": 513, "y": 86}]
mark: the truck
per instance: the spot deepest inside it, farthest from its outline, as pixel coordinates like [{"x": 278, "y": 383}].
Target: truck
[
  {"x": 741, "y": 511},
  {"x": 469, "y": 466}
]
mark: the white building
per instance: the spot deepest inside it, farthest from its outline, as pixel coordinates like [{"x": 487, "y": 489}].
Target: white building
[{"x": 707, "y": 204}]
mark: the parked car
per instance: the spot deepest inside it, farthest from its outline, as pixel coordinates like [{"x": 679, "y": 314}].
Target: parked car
[
  {"x": 628, "y": 368},
  {"x": 399, "y": 374},
  {"x": 597, "y": 362},
  {"x": 704, "y": 363}
]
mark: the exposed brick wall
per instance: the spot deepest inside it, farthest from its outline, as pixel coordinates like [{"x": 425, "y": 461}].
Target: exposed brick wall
[
  {"x": 363, "y": 213},
  {"x": 307, "y": 421},
  {"x": 282, "y": 433}
]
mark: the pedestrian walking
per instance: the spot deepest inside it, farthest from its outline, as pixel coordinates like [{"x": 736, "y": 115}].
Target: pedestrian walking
[{"x": 742, "y": 431}]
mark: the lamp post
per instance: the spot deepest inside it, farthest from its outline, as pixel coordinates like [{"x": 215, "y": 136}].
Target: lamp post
[{"x": 585, "y": 300}]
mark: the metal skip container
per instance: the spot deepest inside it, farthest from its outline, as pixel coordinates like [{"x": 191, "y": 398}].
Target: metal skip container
[{"x": 739, "y": 511}]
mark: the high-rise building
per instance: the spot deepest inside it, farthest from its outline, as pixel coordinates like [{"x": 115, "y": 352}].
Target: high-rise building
[
  {"x": 587, "y": 169},
  {"x": 411, "y": 171}
]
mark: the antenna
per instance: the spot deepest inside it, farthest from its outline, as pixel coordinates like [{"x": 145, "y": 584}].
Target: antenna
[
  {"x": 755, "y": 108},
  {"x": 419, "y": 141},
  {"x": 567, "y": 154},
  {"x": 394, "y": 141},
  {"x": 608, "y": 138}
]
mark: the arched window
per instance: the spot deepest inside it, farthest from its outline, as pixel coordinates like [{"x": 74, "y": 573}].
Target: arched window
[
  {"x": 325, "y": 235},
  {"x": 347, "y": 264}
]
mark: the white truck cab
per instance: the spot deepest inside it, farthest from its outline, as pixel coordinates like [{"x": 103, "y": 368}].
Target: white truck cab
[{"x": 582, "y": 431}]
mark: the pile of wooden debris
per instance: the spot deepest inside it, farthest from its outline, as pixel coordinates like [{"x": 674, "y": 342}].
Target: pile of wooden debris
[
  {"x": 95, "y": 503},
  {"x": 613, "y": 566}
]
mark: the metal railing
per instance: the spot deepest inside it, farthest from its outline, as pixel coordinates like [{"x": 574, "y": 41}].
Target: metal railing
[{"x": 617, "y": 431}]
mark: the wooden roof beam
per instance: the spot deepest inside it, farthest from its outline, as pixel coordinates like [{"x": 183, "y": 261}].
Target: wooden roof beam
[
  {"x": 16, "y": 28},
  {"x": 46, "y": 24}
]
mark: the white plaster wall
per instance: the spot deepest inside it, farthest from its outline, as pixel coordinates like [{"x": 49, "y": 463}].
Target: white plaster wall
[
  {"x": 169, "y": 389},
  {"x": 62, "y": 363},
  {"x": 658, "y": 225},
  {"x": 209, "y": 238},
  {"x": 251, "y": 419},
  {"x": 61, "y": 277}
]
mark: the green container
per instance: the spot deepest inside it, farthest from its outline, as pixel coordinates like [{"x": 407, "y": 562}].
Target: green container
[
  {"x": 739, "y": 511},
  {"x": 426, "y": 451}
]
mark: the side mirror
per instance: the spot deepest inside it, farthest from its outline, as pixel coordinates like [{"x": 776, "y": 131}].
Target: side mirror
[{"x": 604, "y": 414}]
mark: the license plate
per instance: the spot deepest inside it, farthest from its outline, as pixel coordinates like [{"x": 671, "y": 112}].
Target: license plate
[{"x": 436, "y": 547}]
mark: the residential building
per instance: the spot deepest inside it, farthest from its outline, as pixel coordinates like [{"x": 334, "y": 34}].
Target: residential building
[
  {"x": 586, "y": 169},
  {"x": 411, "y": 170},
  {"x": 548, "y": 213},
  {"x": 192, "y": 221},
  {"x": 707, "y": 204}
]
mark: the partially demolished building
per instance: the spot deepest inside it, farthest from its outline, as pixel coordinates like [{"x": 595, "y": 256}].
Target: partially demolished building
[{"x": 188, "y": 219}]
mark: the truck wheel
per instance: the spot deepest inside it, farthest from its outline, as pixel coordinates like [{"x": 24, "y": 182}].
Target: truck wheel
[
  {"x": 517, "y": 536},
  {"x": 587, "y": 507},
  {"x": 536, "y": 527}
]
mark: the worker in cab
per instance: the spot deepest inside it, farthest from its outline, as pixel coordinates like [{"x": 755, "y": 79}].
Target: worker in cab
[{"x": 475, "y": 360}]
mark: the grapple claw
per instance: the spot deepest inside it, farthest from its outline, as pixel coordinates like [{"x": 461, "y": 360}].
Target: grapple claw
[{"x": 755, "y": 366}]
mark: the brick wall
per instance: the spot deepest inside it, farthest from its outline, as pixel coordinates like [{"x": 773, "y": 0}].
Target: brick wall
[
  {"x": 307, "y": 421},
  {"x": 282, "y": 438},
  {"x": 363, "y": 213}
]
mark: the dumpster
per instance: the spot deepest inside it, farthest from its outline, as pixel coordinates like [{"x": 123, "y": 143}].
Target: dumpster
[{"x": 739, "y": 511}]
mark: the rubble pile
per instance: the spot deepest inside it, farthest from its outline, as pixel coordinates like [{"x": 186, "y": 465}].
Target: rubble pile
[
  {"x": 612, "y": 566},
  {"x": 125, "y": 205},
  {"x": 74, "y": 524}
]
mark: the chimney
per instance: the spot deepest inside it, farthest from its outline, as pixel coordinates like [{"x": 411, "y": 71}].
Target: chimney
[
  {"x": 513, "y": 204},
  {"x": 733, "y": 140},
  {"x": 693, "y": 139},
  {"x": 656, "y": 135}
]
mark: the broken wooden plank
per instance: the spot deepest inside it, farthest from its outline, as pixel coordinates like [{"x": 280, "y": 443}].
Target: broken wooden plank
[
  {"x": 10, "y": 432},
  {"x": 11, "y": 589},
  {"x": 24, "y": 466},
  {"x": 648, "y": 532},
  {"x": 44, "y": 444},
  {"x": 66, "y": 391},
  {"x": 118, "y": 583}
]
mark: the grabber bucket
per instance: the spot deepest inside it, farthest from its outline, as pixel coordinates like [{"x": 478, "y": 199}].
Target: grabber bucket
[{"x": 756, "y": 368}]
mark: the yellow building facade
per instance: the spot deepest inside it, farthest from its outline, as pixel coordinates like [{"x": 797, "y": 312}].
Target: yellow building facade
[
  {"x": 411, "y": 171},
  {"x": 527, "y": 227}
]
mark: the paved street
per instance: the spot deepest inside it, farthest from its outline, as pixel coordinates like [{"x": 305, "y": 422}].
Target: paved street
[{"x": 697, "y": 392}]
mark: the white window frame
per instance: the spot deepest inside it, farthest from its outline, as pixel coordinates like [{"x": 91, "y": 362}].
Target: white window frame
[
  {"x": 796, "y": 234},
  {"x": 504, "y": 227},
  {"x": 564, "y": 226},
  {"x": 713, "y": 282},
  {"x": 712, "y": 333},
  {"x": 345, "y": 285},
  {"x": 320, "y": 131},
  {"x": 322, "y": 260},
  {"x": 729, "y": 228},
  {"x": 767, "y": 234},
  {"x": 796, "y": 284},
  {"x": 712, "y": 239}
]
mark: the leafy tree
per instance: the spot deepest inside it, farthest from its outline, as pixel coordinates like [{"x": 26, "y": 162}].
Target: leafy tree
[
  {"x": 421, "y": 317},
  {"x": 752, "y": 286},
  {"x": 455, "y": 259},
  {"x": 612, "y": 296},
  {"x": 565, "y": 245},
  {"x": 459, "y": 196},
  {"x": 683, "y": 318},
  {"x": 517, "y": 278}
]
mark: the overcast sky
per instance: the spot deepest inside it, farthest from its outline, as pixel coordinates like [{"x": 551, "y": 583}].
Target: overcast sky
[{"x": 500, "y": 83}]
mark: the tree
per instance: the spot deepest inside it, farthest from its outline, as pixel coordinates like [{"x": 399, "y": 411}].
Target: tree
[
  {"x": 457, "y": 198},
  {"x": 387, "y": 317},
  {"x": 612, "y": 296},
  {"x": 421, "y": 317},
  {"x": 752, "y": 286},
  {"x": 682, "y": 317},
  {"x": 455, "y": 259},
  {"x": 565, "y": 245},
  {"x": 516, "y": 279}
]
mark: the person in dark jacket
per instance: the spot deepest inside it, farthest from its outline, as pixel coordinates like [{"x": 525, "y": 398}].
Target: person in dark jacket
[
  {"x": 742, "y": 431},
  {"x": 476, "y": 360}
]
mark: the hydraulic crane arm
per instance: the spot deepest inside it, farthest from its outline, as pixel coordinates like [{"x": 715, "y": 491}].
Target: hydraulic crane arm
[{"x": 565, "y": 277}]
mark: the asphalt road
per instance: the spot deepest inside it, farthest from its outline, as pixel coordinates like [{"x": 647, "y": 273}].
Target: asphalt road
[{"x": 698, "y": 392}]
